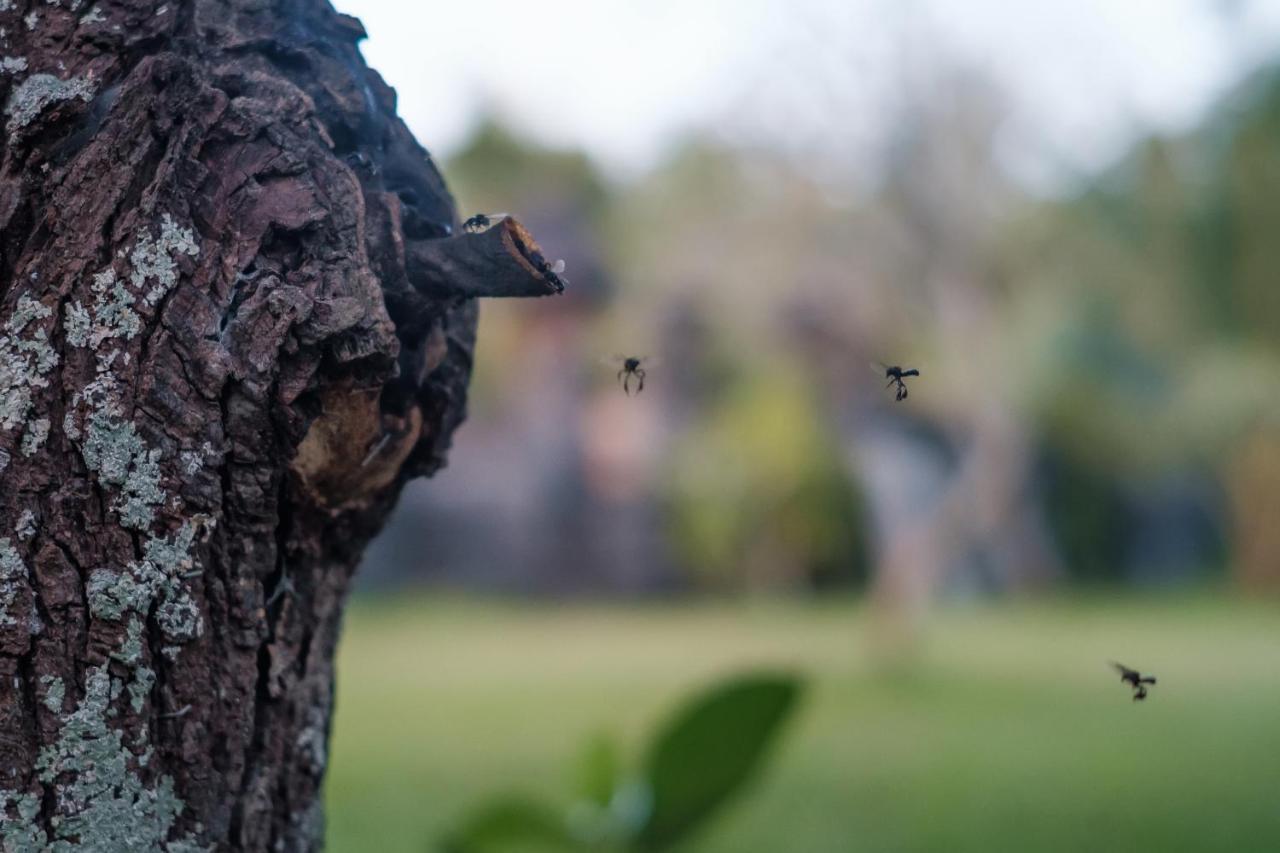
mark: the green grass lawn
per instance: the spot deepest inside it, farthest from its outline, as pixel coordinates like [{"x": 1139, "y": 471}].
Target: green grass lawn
[{"x": 1007, "y": 732}]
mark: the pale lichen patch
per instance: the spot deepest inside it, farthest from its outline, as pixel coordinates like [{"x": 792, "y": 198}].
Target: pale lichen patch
[
  {"x": 39, "y": 91},
  {"x": 179, "y": 618},
  {"x": 164, "y": 563},
  {"x": 23, "y": 834},
  {"x": 140, "y": 688},
  {"x": 103, "y": 803},
  {"x": 112, "y": 314},
  {"x": 155, "y": 260},
  {"x": 77, "y": 324},
  {"x": 131, "y": 651},
  {"x": 13, "y": 575},
  {"x": 26, "y": 526},
  {"x": 111, "y": 594},
  {"x": 157, "y": 576},
  {"x": 194, "y": 460},
  {"x": 25, "y": 360},
  {"x": 12, "y": 64},
  {"x": 191, "y": 461},
  {"x": 36, "y": 435},
  {"x": 105, "y": 797},
  {"x": 310, "y": 742},
  {"x": 112, "y": 447},
  {"x": 117, "y": 454},
  {"x": 69, "y": 427},
  {"x": 54, "y": 692}
]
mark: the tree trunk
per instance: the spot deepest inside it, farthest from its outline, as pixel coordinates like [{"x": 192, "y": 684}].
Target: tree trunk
[{"x": 219, "y": 363}]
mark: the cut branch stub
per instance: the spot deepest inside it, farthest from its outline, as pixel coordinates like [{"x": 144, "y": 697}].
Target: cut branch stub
[{"x": 503, "y": 260}]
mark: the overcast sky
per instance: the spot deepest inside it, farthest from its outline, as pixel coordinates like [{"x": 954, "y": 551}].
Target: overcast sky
[{"x": 625, "y": 79}]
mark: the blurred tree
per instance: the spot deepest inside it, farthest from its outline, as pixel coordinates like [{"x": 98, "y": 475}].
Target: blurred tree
[
  {"x": 758, "y": 497},
  {"x": 1168, "y": 344},
  {"x": 947, "y": 200}
]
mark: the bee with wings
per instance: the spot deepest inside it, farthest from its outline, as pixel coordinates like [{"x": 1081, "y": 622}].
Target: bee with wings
[
  {"x": 629, "y": 367},
  {"x": 895, "y": 375},
  {"x": 482, "y": 222},
  {"x": 1134, "y": 679}
]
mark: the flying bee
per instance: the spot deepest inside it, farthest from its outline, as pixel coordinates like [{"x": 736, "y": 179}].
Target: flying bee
[
  {"x": 482, "y": 222},
  {"x": 1134, "y": 679},
  {"x": 895, "y": 375},
  {"x": 631, "y": 366}
]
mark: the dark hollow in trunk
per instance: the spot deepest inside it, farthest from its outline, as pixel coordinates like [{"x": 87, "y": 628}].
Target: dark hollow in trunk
[{"x": 234, "y": 320}]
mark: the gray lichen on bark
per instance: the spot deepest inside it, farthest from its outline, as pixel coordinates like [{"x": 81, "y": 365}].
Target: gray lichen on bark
[{"x": 224, "y": 348}]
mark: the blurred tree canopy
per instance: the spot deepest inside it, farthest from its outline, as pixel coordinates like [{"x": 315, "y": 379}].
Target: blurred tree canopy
[
  {"x": 1128, "y": 333},
  {"x": 757, "y": 492},
  {"x": 1162, "y": 346}
]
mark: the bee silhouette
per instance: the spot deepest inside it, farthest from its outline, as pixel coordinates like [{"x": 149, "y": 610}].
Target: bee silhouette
[
  {"x": 1134, "y": 679},
  {"x": 553, "y": 272},
  {"x": 895, "y": 375},
  {"x": 631, "y": 367},
  {"x": 482, "y": 222}
]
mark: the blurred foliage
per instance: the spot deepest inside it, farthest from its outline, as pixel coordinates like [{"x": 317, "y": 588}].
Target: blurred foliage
[
  {"x": 758, "y": 495},
  {"x": 1130, "y": 329},
  {"x": 498, "y": 170},
  {"x": 1164, "y": 337},
  {"x": 694, "y": 765},
  {"x": 1088, "y": 516}
]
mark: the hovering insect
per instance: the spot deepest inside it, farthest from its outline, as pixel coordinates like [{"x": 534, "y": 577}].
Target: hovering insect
[
  {"x": 631, "y": 367},
  {"x": 482, "y": 222},
  {"x": 895, "y": 375},
  {"x": 1135, "y": 679}
]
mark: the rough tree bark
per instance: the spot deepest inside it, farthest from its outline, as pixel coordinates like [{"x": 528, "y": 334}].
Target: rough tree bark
[{"x": 236, "y": 315}]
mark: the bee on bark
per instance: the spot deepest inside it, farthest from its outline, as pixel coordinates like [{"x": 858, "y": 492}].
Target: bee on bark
[{"x": 482, "y": 222}]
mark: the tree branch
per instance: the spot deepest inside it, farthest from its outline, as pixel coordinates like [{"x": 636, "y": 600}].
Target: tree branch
[{"x": 503, "y": 260}]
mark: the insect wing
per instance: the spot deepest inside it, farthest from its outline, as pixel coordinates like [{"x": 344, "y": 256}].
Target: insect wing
[
  {"x": 615, "y": 360},
  {"x": 482, "y": 222},
  {"x": 1124, "y": 670}
]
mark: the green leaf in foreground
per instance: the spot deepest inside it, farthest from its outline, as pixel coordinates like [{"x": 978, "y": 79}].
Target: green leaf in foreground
[
  {"x": 598, "y": 768},
  {"x": 511, "y": 823},
  {"x": 710, "y": 749}
]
